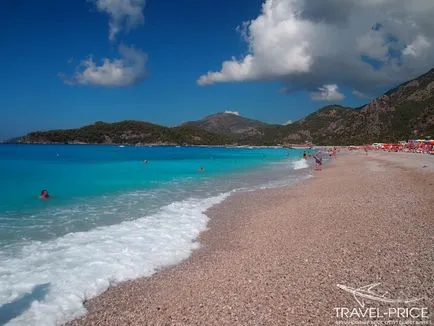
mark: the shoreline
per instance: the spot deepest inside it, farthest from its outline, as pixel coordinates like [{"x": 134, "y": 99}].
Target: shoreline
[
  {"x": 229, "y": 268},
  {"x": 173, "y": 145},
  {"x": 81, "y": 265}
]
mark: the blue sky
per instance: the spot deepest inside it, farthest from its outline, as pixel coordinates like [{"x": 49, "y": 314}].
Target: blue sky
[{"x": 182, "y": 40}]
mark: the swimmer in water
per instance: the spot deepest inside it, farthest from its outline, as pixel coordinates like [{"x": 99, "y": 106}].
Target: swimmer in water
[
  {"x": 145, "y": 162},
  {"x": 304, "y": 155},
  {"x": 44, "y": 194},
  {"x": 201, "y": 169}
]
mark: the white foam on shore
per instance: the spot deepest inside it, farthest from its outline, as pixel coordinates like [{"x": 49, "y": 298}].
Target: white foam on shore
[
  {"x": 300, "y": 164},
  {"x": 82, "y": 265}
]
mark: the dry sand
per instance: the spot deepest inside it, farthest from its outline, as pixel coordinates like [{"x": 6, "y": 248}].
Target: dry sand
[{"x": 275, "y": 256}]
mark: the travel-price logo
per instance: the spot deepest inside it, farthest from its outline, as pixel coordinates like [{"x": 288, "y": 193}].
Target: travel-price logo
[{"x": 401, "y": 311}]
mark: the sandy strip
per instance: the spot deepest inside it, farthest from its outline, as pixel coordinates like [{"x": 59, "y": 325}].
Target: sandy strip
[{"x": 274, "y": 257}]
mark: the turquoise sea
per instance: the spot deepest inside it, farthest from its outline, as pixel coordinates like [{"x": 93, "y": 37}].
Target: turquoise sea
[{"x": 111, "y": 217}]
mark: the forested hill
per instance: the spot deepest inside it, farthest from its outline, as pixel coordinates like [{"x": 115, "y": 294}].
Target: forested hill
[
  {"x": 391, "y": 117},
  {"x": 127, "y": 132}
]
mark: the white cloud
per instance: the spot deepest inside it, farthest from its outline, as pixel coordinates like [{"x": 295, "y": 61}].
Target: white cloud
[
  {"x": 417, "y": 47},
  {"x": 309, "y": 43},
  {"x": 357, "y": 93},
  {"x": 124, "y": 71},
  {"x": 127, "y": 70},
  {"x": 124, "y": 14},
  {"x": 232, "y": 112},
  {"x": 288, "y": 122},
  {"x": 374, "y": 45},
  {"x": 328, "y": 93}
]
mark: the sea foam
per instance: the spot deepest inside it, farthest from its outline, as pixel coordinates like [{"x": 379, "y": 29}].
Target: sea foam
[
  {"x": 300, "y": 164},
  {"x": 81, "y": 265}
]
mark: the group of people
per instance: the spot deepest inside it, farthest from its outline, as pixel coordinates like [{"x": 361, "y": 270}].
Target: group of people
[
  {"x": 318, "y": 157},
  {"x": 422, "y": 147}
]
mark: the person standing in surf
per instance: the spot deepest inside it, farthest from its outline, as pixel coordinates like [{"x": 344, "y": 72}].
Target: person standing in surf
[{"x": 318, "y": 161}]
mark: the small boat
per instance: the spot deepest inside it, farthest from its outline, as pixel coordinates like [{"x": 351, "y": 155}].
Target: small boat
[{"x": 121, "y": 146}]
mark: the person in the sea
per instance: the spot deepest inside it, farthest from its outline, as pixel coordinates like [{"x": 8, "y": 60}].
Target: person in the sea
[
  {"x": 145, "y": 162},
  {"x": 304, "y": 155},
  {"x": 44, "y": 194},
  {"x": 201, "y": 169},
  {"x": 318, "y": 161}
]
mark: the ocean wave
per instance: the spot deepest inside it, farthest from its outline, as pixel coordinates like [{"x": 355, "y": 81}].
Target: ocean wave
[
  {"x": 81, "y": 265},
  {"x": 114, "y": 238},
  {"x": 300, "y": 164}
]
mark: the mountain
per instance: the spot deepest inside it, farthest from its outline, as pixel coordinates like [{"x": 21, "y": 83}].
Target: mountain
[
  {"x": 127, "y": 132},
  {"x": 391, "y": 117},
  {"x": 228, "y": 123},
  {"x": 394, "y": 116}
]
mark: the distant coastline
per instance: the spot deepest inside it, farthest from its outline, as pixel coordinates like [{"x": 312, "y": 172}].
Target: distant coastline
[
  {"x": 293, "y": 146},
  {"x": 402, "y": 113}
]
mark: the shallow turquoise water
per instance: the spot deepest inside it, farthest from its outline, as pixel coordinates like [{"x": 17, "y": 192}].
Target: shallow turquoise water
[
  {"x": 74, "y": 172},
  {"x": 111, "y": 217}
]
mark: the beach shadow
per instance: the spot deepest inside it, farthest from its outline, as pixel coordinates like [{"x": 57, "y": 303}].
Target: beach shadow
[{"x": 15, "y": 308}]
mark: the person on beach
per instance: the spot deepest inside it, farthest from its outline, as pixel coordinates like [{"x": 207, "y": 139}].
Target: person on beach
[
  {"x": 318, "y": 161},
  {"x": 334, "y": 152},
  {"x": 44, "y": 194}
]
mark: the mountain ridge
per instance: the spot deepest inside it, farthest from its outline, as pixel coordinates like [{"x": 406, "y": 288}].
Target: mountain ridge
[
  {"x": 225, "y": 122},
  {"x": 393, "y": 116}
]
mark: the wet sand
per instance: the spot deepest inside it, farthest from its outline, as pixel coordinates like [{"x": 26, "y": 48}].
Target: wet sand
[{"x": 275, "y": 256}]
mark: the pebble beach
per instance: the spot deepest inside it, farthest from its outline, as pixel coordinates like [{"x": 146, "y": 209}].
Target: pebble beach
[{"x": 276, "y": 256}]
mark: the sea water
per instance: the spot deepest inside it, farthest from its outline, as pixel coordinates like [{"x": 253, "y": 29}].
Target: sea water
[{"x": 111, "y": 216}]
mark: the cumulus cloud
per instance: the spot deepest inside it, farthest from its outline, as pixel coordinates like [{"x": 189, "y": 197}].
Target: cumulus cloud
[
  {"x": 357, "y": 93},
  {"x": 374, "y": 45},
  {"x": 124, "y": 14},
  {"x": 417, "y": 47},
  {"x": 328, "y": 93},
  {"x": 127, "y": 70},
  {"x": 306, "y": 44},
  {"x": 130, "y": 67},
  {"x": 232, "y": 112}
]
